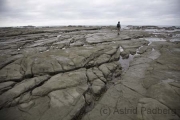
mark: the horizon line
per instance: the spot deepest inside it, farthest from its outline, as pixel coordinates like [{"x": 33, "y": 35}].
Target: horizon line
[{"x": 87, "y": 25}]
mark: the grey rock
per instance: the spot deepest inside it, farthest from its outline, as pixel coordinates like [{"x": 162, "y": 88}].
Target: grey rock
[
  {"x": 74, "y": 72},
  {"x": 20, "y": 88},
  {"x": 97, "y": 86}
]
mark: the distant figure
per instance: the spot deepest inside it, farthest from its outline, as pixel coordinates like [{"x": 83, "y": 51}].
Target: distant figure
[{"x": 118, "y": 27}]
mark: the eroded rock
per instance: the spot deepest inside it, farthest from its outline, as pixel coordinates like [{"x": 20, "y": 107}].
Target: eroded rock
[{"x": 67, "y": 73}]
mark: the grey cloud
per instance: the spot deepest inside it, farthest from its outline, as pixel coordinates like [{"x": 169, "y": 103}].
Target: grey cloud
[{"x": 45, "y": 12}]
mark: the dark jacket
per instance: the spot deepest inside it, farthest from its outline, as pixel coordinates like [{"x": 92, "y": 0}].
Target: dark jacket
[{"x": 118, "y": 25}]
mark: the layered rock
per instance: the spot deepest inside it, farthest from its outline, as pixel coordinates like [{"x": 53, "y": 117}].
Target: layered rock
[
  {"x": 54, "y": 84},
  {"x": 148, "y": 90},
  {"x": 85, "y": 73}
]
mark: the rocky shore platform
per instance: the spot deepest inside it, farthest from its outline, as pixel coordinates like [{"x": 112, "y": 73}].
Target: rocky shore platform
[{"x": 90, "y": 73}]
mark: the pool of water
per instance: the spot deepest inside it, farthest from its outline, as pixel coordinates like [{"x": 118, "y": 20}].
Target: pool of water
[
  {"x": 162, "y": 30},
  {"x": 175, "y": 40},
  {"x": 153, "y": 39},
  {"x": 153, "y": 30},
  {"x": 126, "y": 62}
]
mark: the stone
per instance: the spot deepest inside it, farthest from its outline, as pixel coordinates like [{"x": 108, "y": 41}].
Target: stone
[
  {"x": 20, "y": 88},
  {"x": 97, "y": 86},
  {"x": 61, "y": 81},
  {"x": 88, "y": 73},
  {"x": 166, "y": 95},
  {"x": 151, "y": 109},
  {"x": 124, "y": 54}
]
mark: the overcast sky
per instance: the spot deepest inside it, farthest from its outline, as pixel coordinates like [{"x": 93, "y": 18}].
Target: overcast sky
[{"x": 89, "y": 12}]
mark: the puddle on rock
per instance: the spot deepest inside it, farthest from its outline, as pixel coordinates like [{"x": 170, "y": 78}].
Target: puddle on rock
[
  {"x": 150, "y": 39},
  {"x": 154, "y": 54},
  {"x": 126, "y": 62},
  {"x": 175, "y": 40},
  {"x": 152, "y": 30},
  {"x": 162, "y": 30}
]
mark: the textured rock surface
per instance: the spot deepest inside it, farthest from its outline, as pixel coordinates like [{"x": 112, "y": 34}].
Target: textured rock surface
[
  {"x": 148, "y": 90},
  {"x": 88, "y": 73}
]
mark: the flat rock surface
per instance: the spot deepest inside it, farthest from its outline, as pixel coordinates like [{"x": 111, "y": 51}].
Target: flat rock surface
[{"x": 88, "y": 73}]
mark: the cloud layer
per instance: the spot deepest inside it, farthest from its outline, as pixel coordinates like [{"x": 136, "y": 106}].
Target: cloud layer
[{"x": 89, "y": 12}]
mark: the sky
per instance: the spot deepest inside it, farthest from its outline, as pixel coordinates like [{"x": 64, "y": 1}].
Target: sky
[{"x": 89, "y": 12}]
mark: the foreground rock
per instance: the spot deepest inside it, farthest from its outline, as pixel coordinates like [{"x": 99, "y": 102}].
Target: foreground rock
[
  {"x": 148, "y": 90},
  {"x": 52, "y": 83},
  {"x": 77, "y": 73}
]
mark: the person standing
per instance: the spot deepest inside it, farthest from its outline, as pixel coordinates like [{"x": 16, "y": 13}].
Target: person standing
[{"x": 118, "y": 27}]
